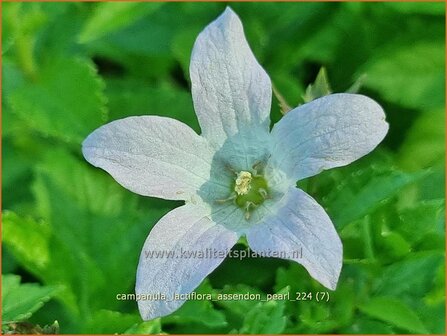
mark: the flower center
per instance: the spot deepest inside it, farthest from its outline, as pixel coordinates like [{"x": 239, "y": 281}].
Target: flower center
[
  {"x": 242, "y": 183},
  {"x": 251, "y": 190},
  {"x": 248, "y": 190}
]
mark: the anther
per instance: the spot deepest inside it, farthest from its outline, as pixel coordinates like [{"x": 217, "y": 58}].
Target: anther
[{"x": 242, "y": 184}]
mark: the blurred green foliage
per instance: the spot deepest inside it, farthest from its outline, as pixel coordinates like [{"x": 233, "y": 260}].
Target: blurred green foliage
[{"x": 73, "y": 235}]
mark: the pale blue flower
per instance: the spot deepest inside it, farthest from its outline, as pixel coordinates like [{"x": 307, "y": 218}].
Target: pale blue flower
[{"x": 238, "y": 177}]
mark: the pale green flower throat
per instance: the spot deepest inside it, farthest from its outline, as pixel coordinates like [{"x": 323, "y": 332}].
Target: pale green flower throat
[{"x": 248, "y": 190}]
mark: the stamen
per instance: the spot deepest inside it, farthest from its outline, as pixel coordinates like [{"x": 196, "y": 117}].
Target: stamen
[
  {"x": 247, "y": 206},
  {"x": 257, "y": 167},
  {"x": 222, "y": 201},
  {"x": 249, "y": 190},
  {"x": 263, "y": 193}
]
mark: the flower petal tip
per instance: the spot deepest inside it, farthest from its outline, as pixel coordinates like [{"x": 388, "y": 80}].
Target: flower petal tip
[
  {"x": 332, "y": 285},
  {"x": 228, "y": 11},
  {"x": 228, "y": 18}
]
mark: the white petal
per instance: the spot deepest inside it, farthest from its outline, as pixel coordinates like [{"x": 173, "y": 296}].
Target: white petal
[
  {"x": 187, "y": 228},
  {"x": 328, "y": 132},
  {"x": 153, "y": 156},
  {"x": 241, "y": 151},
  {"x": 301, "y": 224},
  {"x": 231, "y": 91}
]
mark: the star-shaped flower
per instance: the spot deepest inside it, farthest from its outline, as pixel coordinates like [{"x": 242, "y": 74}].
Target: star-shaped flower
[{"x": 238, "y": 177}]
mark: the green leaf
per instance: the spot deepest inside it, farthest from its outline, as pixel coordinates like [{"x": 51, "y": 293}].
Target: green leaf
[
  {"x": 66, "y": 101},
  {"x": 236, "y": 309},
  {"x": 198, "y": 311},
  {"x": 424, "y": 145},
  {"x": 82, "y": 204},
  {"x": 24, "y": 22},
  {"x": 411, "y": 76},
  {"x": 419, "y": 282},
  {"x": 357, "y": 85},
  {"x": 110, "y": 322},
  {"x": 134, "y": 97},
  {"x": 423, "y": 218},
  {"x": 16, "y": 172},
  {"x": 96, "y": 229},
  {"x": 112, "y": 16},
  {"x": 20, "y": 301},
  {"x": 393, "y": 245},
  {"x": 365, "y": 190},
  {"x": 319, "y": 88},
  {"x": 264, "y": 268},
  {"x": 60, "y": 36},
  {"x": 295, "y": 276},
  {"x": 12, "y": 79},
  {"x": 393, "y": 311},
  {"x": 148, "y": 327},
  {"x": 28, "y": 18},
  {"x": 411, "y": 278},
  {"x": 28, "y": 240},
  {"x": 314, "y": 317},
  {"x": 132, "y": 40},
  {"x": 365, "y": 325},
  {"x": 266, "y": 317}
]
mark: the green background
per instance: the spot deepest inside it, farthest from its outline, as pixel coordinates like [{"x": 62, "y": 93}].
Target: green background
[{"x": 72, "y": 236}]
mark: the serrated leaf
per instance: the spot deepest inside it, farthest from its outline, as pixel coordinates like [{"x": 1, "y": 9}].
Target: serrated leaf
[
  {"x": 266, "y": 317},
  {"x": 20, "y": 301},
  {"x": 112, "y": 16},
  {"x": 412, "y": 76},
  {"x": 393, "y": 311},
  {"x": 96, "y": 228},
  {"x": 82, "y": 204},
  {"x": 312, "y": 316},
  {"x": 66, "y": 101},
  {"x": 28, "y": 240}
]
